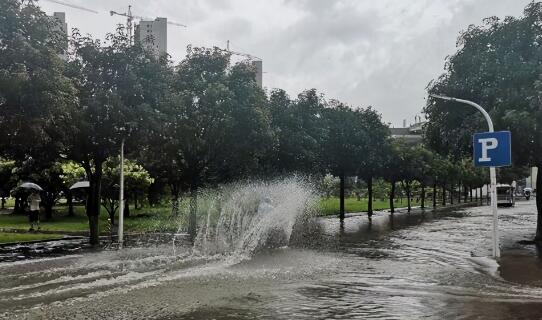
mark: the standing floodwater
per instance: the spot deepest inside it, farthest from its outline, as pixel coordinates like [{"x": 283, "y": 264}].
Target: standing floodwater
[{"x": 431, "y": 265}]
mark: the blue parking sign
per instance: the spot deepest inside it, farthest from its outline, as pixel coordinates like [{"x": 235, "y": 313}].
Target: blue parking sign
[{"x": 492, "y": 149}]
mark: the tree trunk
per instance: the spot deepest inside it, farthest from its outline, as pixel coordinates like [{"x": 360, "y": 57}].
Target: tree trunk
[
  {"x": 444, "y": 195},
  {"x": 69, "y": 199},
  {"x": 126, "y": 207},
  {"x": 422, "y": 198},
  {"x": 434, "y": 194},
  {"x": 370, "y": 195},
  {"x": 94, "y": 203},
  {"x": 174, "y": 200},
  {"x": 341, "y": 197},
  {"x": 465, "y": 194},
  {"x": 459, "y": 193},
  {"x": 192, "y": 221},
  {"x": 538, "y": 237},
  {"x": 408, "y": 193},
  {"x": 17, "y": 206},
  {"x": 111, "y": 213},
  {"x": 392, "y": 197},
  {"x": 48, "y": 211},
  {"x": 94, "y": 232},
  {"x": 452, "y": 194},
  {"x": 3, "y": 202},
  {"x": 470, "y": 193}
]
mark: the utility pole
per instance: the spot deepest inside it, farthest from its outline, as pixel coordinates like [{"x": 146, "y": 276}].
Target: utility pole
[{"x": 492, "y": 173}]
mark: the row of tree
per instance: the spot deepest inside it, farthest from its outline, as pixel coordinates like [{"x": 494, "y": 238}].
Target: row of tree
[
  {"x": 200, "y": 122},
  {"x": 498, "y": 66}
]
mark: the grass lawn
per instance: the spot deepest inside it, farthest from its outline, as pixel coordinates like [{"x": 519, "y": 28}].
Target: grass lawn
[
  {"x": 141, "y": 220},
  {"x": 6, "y": 237},
  {"x": 61, "y": 221},
  {"x": 156, "y": 219},
  {"x": 331, "y": 206}
]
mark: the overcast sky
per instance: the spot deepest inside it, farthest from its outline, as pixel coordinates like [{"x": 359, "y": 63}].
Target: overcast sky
[{"x": 365, "y": 52}]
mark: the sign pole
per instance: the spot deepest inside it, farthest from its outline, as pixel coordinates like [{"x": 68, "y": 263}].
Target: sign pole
[
  {"x": 493, "y": 179},
  {"x": 492, "y": 174}
]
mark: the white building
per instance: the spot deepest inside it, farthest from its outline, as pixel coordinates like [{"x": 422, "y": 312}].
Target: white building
[{"x": 152, "y": 35}]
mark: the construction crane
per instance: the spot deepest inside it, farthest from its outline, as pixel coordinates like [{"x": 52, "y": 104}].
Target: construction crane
[
  {"x": 246, "y": 55},
  {"x": 256, "y": 62},
  {"x": 130, "y": 18},
  {"x": 72, "y": 6}
]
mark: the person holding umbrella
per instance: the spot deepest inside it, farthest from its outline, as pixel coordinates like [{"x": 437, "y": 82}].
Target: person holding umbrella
[{"x": 34, "y": 202}]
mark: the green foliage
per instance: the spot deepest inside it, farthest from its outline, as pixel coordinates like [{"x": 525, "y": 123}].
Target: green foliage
[
  {"x": 71, "y": 173},
  {"x": 299, "y": 128},
  {"x": 344, "y": 141},
  {"x": 497, "y": 65},
  {"x": 33, "y": 89}
]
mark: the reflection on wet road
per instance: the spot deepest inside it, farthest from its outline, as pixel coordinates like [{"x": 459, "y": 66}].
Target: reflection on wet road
[{"x": 422, "y": 265}]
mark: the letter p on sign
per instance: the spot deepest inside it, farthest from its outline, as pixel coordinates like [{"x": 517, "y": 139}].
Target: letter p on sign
[{"x": 492, "y": 149}]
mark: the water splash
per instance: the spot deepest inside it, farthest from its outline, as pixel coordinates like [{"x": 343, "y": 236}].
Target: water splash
[{"x": 241, "y": 219}]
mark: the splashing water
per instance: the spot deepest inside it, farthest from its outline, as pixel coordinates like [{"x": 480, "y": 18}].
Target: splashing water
[{"x": 241, "y": 219}]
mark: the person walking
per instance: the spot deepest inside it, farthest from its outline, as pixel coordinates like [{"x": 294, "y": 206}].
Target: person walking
[{"x": 34, "y": 217}]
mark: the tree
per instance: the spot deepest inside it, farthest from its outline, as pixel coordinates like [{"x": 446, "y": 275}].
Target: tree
[
  {"x": 343, "y": 144},
  {"x": 136, "y": 180},
  {"x": 47, "y": 174},
  {"x": 219, "y": 124},
  {"x": 394, "y": 170},
  {"x": 374, "y": 150},
  {"x": 33, "y": 88},
  {"x": 299, "y": 130},
  {"x": 498, "y": 66},
  {"x": 114, "y": 100}
]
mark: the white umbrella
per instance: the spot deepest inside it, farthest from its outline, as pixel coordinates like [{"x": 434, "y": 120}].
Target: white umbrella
[
  {"x": 30, "y": 185},
  {"x": 80, "y": 184}
]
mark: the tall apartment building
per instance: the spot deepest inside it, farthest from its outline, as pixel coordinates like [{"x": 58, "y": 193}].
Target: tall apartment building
[
  {"x": 152, "y": 35},
  {"x": 59, "y": 24}
]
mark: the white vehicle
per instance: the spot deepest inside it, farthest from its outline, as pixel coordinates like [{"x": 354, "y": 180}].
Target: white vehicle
[{"x": 505, "y": 195}]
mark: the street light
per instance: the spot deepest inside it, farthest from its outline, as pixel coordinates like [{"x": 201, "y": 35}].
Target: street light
[
  {"x": 120, "y": 232},
  {"x": 492, "y": 172}
]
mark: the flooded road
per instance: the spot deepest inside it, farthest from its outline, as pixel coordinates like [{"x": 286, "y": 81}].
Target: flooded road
[{"x": 422, "y": 265}]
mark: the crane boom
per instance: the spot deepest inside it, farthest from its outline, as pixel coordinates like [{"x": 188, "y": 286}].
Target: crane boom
[
  {"x": 143, "y": 18},
  {"x": 72, "y": 6},
  {"x": 246, "y": 55}
]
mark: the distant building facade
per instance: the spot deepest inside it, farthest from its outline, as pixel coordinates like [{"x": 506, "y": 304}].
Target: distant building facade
[
  {"x": 60, "y": 25},
  {"x": 258, "y": 68},
  {"x": 152, "y": 35},
  {"x": 412, "y": 134}
]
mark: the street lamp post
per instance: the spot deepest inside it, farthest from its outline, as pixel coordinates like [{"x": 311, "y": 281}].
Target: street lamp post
[
  {"x": 492, "y": 173},
  {"x": 121, "y": 197}
]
